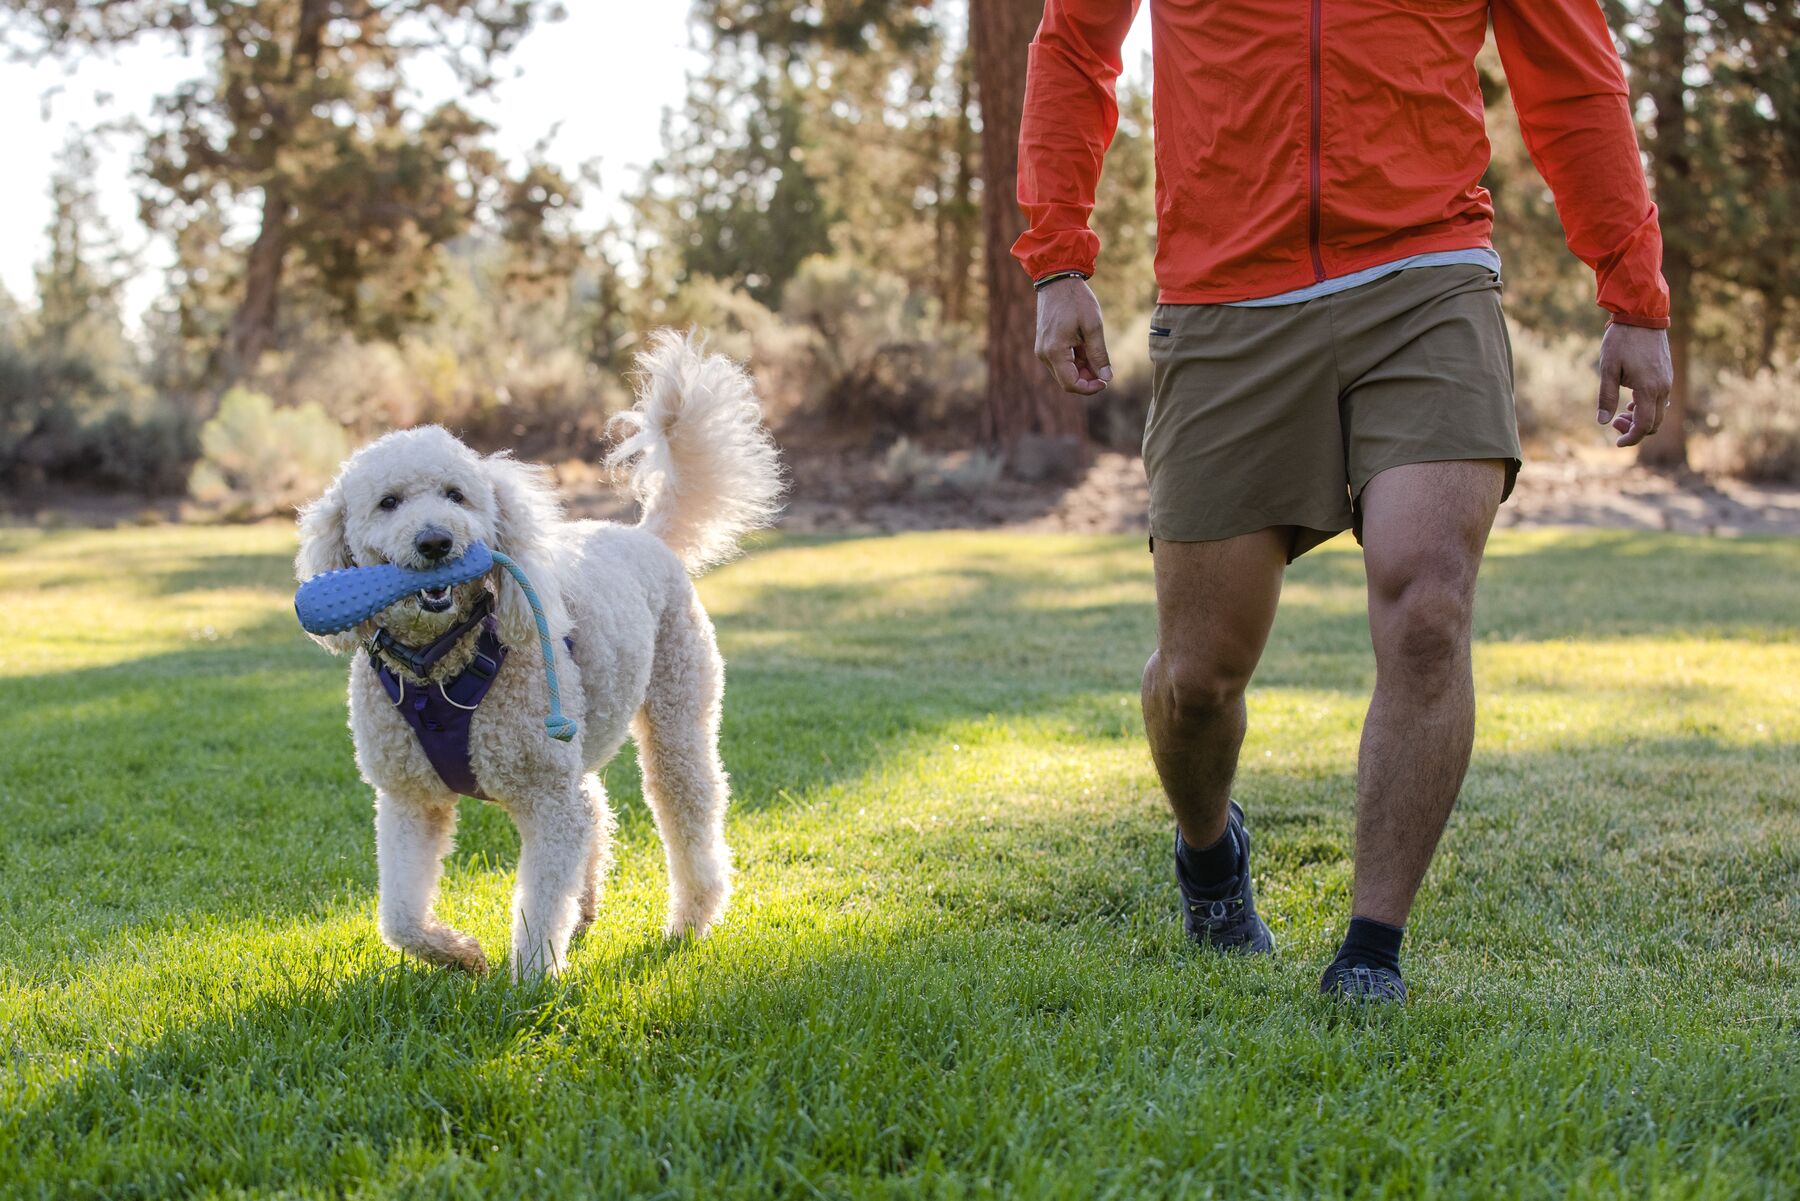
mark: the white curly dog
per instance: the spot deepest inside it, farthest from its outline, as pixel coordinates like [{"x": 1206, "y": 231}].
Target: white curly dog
[{"x": 634, "y": 652}]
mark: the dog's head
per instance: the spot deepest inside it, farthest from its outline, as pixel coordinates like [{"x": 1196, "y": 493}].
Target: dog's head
[{"x": 417, "y": 498}]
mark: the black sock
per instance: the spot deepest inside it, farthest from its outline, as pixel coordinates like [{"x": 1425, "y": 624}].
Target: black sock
[
  {"x": 1369, "y": 943},
  {"x": 1207, "y": 866}
]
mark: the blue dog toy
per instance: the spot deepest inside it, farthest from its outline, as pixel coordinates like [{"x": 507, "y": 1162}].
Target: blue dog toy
[{"x": 338, "y": 600}]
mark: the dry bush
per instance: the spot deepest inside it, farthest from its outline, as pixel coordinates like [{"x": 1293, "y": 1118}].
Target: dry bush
[
  {"x": 365, "y": 386},
  {"x": 64, "y": 418},
  {"x": 737, "y": 325},
  {"x": 494, "y": 395},
  {"x": 256, "y": 460},
  {"x": 878, "y": 355},
  {"x": 914, "y": 469},
  {"x": 1554, "y": 383},
  {"x": 1116, "y": 415},
  {"x": 1759, "y": 423}
]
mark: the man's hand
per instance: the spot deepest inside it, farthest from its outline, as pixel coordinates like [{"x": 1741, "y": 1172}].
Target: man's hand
[
  {"x": 1631, "y": 356},
  {"x": 1069, "y": 337}
]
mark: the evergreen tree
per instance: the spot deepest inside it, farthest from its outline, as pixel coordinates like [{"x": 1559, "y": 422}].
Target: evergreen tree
[{"x": 303, "y": 116}]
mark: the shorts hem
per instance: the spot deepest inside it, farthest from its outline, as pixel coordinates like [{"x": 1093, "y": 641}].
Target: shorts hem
[
  {"x": 1512, "y": 461},
  {"x": 1307, "y": 534},
  {"x": 1509, "y": 457}
]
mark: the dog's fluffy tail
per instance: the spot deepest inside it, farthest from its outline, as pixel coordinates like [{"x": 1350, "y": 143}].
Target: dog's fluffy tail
[{"x": 702, "y": 465}]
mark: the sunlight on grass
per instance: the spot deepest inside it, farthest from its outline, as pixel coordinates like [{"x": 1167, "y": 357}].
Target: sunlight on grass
[{"x": 952, "y": 966}]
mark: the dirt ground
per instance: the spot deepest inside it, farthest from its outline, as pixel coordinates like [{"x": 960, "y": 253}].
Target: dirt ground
[
  {"x": 843, "y": 492},
  {"x": 840, "y": 493}
]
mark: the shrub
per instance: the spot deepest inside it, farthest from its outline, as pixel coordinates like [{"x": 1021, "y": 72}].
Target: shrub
[
  {"x": 1759, "y": 422},
  {"x": 62, "y": 419},
  {"x": 737, "y": 325},
  {"x": 256, "y": 459},
  {"x": 1554, "y": 384},
  {"x": 146, "y": 448},
  {"x": 879, "y": 355},
  {"x": 914, "y": 469},
  {"x": 367, "y": 387},
  {"x": 493, "y": 394},
  {"x": 1116, "y": 415}
]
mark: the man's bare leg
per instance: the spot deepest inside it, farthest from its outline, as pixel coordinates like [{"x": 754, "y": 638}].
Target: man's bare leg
[
  {"x": 1424, "y": 528},
  {"x": 1215, "y": 602}
]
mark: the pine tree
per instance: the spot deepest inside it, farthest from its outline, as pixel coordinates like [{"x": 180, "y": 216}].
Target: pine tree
[{"x": 302, "y": 116}]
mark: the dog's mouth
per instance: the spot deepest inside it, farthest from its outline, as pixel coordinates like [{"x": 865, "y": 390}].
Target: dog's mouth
[{"x": 435, "y": 600}]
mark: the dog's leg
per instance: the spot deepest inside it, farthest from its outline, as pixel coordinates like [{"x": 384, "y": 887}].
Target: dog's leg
[
  {"x": 411, "y": 840},
  {"x": 556, "y": 839},
  {"x": 677, "y": 733},
  {"x": 600, "y": 857}
]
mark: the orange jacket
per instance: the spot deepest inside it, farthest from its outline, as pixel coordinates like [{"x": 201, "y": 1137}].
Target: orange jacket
[{"x": 1298, "y": 140}]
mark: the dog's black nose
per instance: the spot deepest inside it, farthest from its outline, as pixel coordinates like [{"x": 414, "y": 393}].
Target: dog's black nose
[{"x": 432, "y": 542}]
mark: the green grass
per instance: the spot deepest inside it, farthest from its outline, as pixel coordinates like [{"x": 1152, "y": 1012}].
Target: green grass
[{"x": 952, "y": 968}]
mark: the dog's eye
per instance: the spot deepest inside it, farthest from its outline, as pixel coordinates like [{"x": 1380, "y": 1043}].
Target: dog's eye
[
  {"x": 389, "y": 503},
  {"x": 454, "y": 496}
]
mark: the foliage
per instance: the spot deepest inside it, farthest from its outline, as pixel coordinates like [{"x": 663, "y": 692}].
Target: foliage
[
  {"x": 921, "y": 472},
  {"x": 73, "y": 404},
  {"x": 953, "y": 967},
  {"x": 879, "y": 354},
  {"x": 817, "y": 210},
  {"x": 60, "y": 420},
  {"x": 256, "y": 459},
  {"x": 303, "y": 111},
  {"x": 827, "y": 132},
  {"x": 1555, "y": 385},
  {"x": 1761, "y": 419}
]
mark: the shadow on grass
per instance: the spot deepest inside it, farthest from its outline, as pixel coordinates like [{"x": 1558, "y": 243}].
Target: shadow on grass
[
  {"x": 909, "y": 1042},
  {"x": 200, "y": 767}
]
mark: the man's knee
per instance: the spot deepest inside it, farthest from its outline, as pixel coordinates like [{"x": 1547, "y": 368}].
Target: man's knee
[
  {"x": 1192, "y": 689},
  {"x": 1421, "y": 623}
]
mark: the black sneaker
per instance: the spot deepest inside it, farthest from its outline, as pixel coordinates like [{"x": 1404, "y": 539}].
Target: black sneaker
[
  {"x": 1361, "y": 983},
  {"x": 1223, "y": 917}
]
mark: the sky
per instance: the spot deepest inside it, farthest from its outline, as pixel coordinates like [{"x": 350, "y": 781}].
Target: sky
[{"x": 597, "y": 83}]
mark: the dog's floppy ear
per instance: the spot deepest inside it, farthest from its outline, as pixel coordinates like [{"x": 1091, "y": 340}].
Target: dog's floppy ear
[
  {"x": 528, "y": 511},
  {"x": 325, "y": 546}
]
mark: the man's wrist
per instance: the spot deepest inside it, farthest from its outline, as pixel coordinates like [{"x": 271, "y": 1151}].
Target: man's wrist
[{"x": 1055, "y": 276}]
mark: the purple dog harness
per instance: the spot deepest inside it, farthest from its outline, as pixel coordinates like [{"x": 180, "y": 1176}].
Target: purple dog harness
[{"x": 439, "y": 713}]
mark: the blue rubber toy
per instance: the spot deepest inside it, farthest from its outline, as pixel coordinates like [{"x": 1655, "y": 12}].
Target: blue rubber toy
[
  {"x": 341, "y": 599},
  {"x": 338, "y": 600}
]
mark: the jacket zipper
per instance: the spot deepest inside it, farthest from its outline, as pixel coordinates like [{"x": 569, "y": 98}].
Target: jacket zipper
[{"x": 1318, "y": 87}]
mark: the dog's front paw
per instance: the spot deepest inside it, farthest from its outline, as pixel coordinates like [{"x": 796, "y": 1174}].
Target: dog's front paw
[
  {"x": 468, "y": 955},
  {"x": 446, "y": 948},
  {"x": 536, "y": 964},
  {"x": 696, "y": 914}
]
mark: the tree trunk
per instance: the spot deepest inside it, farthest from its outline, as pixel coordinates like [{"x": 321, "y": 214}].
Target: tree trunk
[
  {"x": 1774, "y": 304},
  {"x": 1672, "y": 172},
  {"x": 1023, "y": 402},
  {"x": 253, "y": 325},
  {"x": 962, "y": 207}
]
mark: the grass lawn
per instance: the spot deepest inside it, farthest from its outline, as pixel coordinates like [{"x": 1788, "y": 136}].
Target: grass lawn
[{"x": 952, "y": 967}]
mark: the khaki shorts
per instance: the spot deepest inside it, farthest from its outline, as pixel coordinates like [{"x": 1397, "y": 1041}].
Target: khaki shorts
[{"x": 1280, "y": 416}]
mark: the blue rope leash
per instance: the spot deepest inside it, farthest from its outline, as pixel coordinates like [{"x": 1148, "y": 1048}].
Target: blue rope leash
[{"x": 560, "y": 727}]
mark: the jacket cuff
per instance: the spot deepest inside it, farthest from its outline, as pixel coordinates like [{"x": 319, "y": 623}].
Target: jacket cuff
[{"x": 1066, "y": 250}]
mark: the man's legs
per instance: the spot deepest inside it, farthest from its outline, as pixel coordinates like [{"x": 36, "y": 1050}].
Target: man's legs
[
  {"x": 1215, "y": 602},
  {"x": 1424, "y": 528}
]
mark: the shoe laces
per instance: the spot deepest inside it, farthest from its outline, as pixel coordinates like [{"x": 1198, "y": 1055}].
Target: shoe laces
[
  {"x": 1371, "y": 982},
  {"x": 1215, "y": 914}
]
